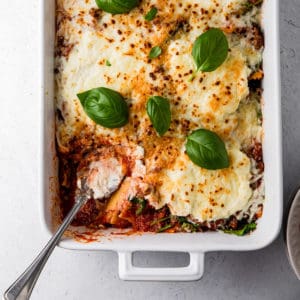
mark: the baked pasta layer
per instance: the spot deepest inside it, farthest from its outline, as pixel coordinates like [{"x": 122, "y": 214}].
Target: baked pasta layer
[{"x": 160, "y": 187}]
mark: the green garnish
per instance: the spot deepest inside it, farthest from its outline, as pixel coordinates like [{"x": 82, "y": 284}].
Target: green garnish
[
  {"x": 206, "y": 149},
  {"x": 182, "y": 219},
  {"x": 159, "y": 112},
  {"x": 104, "y": 106},
  {"x": 117, "y": 6},
  {"x": 107, "y": 63},
  {"x": 189, "y": 227},
  {"x": 151, "y": 14},
  {"x": 155, "y": 52},
  {"x": 141, "y": 204},
  {"x": 244, "y": 230},
  {"x": 164, "y": 228},
  {"x": 210, "y": 50},
  {"x": 186, "y": 225}
]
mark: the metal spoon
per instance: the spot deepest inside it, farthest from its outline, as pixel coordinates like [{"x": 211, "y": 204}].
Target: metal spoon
[{"x": 21, "y": 289}]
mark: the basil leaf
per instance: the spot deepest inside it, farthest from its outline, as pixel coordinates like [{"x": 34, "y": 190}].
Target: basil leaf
[
  {"x": 151, "y": 14},
  {"x": 107, "y": 63},
  {"x": 104, "y": 106},
  {"x": 155, "y": 52},
  {"x": 158, "y": 110},
  {"x": 207, "y": 150},
  {"x": 141, "y": 204},
  {"x": 117, "y": 6},
  {"x": 240, "y": 232},
  {"x": 210, "y": 50}
]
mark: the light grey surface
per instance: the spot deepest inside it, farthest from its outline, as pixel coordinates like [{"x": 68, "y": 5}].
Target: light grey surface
[{"x": 263, "y": 274}]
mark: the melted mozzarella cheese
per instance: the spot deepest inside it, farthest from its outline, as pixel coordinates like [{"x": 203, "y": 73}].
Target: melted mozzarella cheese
[
  {"x": 210, "y": 97},
  {"x": 203, "y": 194},
  {"x": 249, "y": 126},
  {"x": 86, "y": 69},
  {"x": 214, "y": 100}
]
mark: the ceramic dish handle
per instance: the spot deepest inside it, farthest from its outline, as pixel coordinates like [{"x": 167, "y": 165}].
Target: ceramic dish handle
[{"x": 194, "y": 271}]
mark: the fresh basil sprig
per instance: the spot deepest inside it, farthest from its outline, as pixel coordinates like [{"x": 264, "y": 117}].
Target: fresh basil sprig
[
  {"x": 244, "y": 230},
  {"x": 159, "y": 112},
  {"x": 117, "y": 6},
  {"x": 155, "y": 52},
  {"x": 210, "y": 50},
  {"x": 104, "y": 106},
  {"x": 206, "y": 149},
  {"x": 151, "y": 14}
]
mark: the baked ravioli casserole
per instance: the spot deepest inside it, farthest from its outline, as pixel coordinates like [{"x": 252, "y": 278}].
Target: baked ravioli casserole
[{"x": 160, "y": 102}]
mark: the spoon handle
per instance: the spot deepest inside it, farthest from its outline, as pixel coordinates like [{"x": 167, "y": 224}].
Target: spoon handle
[{"x": 21, "y": 289}]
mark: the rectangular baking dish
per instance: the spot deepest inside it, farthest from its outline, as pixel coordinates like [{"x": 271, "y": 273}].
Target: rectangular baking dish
[{"x": 195, "y": 244}]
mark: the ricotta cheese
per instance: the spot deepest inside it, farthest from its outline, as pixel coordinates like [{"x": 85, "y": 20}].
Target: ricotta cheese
[{"x": 104, "y": 177}]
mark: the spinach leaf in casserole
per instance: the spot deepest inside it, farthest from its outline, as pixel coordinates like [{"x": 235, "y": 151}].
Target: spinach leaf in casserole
[
  {"x": 242, "y": 231},
  {"x": 140, "y": 205}
]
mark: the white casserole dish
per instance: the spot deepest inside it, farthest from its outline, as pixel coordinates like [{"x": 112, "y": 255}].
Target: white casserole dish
[{"x": 195, "y": 244}]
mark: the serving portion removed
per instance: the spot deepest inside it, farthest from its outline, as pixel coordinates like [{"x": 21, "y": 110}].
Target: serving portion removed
[{"x": 163, "y": 100}]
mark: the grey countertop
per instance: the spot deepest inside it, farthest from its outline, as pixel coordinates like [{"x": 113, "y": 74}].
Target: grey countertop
[{"x": 263, "y": 274}]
